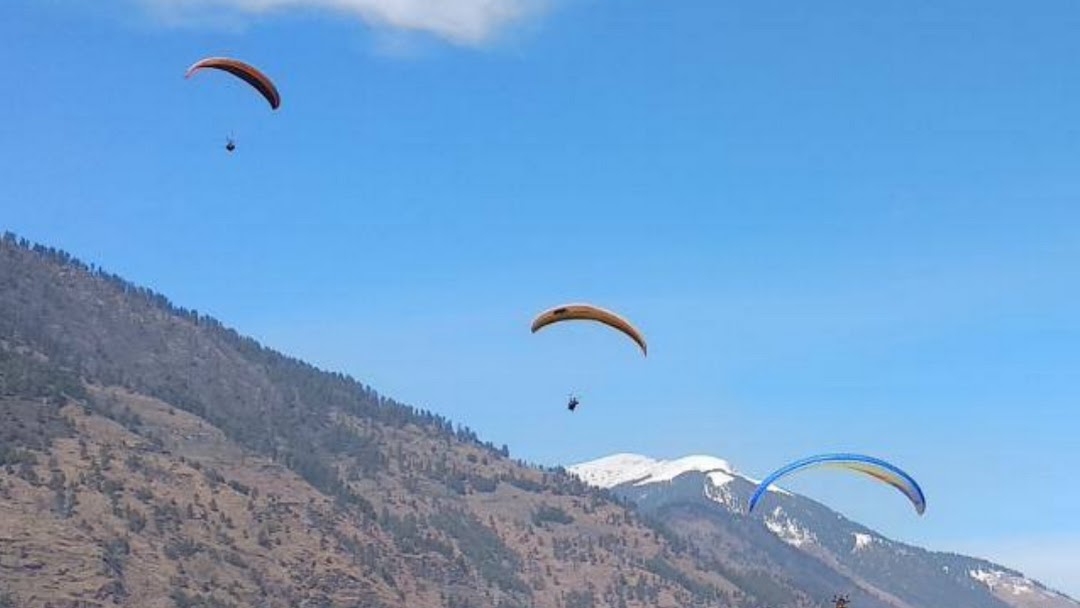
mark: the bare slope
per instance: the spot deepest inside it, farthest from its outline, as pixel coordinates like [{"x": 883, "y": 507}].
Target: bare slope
[{"x": 156, "y": 458}]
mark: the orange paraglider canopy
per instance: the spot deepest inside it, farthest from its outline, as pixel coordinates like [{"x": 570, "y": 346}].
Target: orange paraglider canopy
[
  {"x": 243, "y": 71},
  {"x": 588, "y": 312}
]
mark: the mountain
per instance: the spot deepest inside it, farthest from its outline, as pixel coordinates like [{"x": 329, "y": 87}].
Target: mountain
[
  {"x": 152, "y": 457},
  {"x": 795, "y": 546}
]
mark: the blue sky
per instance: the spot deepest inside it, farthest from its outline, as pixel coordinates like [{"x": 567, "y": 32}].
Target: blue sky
[{"x": 844, "y": 226}]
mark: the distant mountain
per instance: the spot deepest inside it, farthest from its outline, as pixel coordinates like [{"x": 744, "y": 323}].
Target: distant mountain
[{"x": 797, "y": 547}]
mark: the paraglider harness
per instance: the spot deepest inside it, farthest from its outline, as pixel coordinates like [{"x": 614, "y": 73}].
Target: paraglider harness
[
  {"x": 230, "y": 143},
  {"x": 572, "y": 405},
  {"x": 841, "y": 601}
]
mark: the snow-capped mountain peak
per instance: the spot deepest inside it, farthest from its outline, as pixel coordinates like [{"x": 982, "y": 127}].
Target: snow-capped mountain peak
[
  {"x": 802, "y": 540},
  {"x": 636, "y": 469},
  {"x": 614, "y": 470}
]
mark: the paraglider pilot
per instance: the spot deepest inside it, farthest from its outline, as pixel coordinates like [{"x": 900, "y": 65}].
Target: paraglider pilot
[{"x": 572, "y": 405}]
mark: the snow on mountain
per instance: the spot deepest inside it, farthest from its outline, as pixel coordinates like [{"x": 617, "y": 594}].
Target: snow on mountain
[
  {"x": 787, "y": 529},
  {"x": 638, "y": 470},
  {"x": 718, "y": 471},
  {"x": 996, "y": 578},
  {"x": 618, "y": 469},
  {"x": 614, "y": 470},
  {"x": 1006, "y": 583},
  {"x": 862, "y": 541}
]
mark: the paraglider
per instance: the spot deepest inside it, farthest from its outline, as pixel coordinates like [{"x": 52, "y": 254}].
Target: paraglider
[
  {"x": 588, "y": 312},
  {"x": 874, "y": 467},
  {"x": 248, "y": 73}
]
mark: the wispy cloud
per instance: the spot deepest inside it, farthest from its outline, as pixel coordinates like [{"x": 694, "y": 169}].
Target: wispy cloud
[{"x": 465, "y": 22}]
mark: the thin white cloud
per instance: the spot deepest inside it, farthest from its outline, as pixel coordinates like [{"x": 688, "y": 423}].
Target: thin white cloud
[{"x": 466, "y": 22}]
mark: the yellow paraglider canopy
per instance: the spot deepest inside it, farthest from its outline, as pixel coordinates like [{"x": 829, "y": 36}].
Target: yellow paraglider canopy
[{"x": 588, "y": 312}]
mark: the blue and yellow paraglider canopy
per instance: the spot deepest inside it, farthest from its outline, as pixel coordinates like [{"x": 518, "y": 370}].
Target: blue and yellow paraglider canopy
[{"x": 874, "y": 467}]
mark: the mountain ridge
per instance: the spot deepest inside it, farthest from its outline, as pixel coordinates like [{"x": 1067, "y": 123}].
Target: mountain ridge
[
  {"x": 179, "y": 463},
  {"x": 152, "y": 457}
]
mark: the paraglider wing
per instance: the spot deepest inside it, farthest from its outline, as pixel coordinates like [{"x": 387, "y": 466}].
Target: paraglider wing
[
  {"x": 588, "y": 312},
  {"x": 245, "y": 72},
  {"x": 874, "y": 467}
]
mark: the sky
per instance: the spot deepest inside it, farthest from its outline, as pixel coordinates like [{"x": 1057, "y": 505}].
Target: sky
[{"x": 842, "y": 226}]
